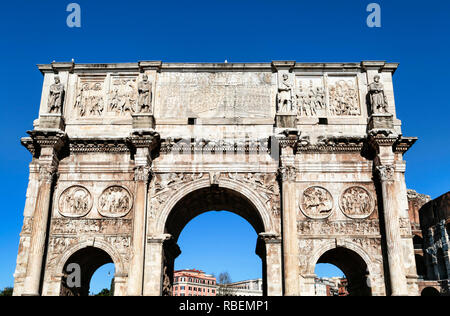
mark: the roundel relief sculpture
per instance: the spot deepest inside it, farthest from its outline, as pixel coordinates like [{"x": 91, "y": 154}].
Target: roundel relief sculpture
[
  {"x": 115, "y": 201},
  {"x": 316, "y": 202},
  {"x": 75, "y": 201},
  {"x": 356, "y": 203}
]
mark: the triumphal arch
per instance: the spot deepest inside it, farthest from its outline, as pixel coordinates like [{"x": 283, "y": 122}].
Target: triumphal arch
[{"x": 125, "y": 155}]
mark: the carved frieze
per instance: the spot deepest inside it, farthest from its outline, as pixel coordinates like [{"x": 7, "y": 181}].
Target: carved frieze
[
  {"x": 316, "y": 202},
  {"x": 89, "y": 100},
  {"x": 80, "y": 226},
  {"x": 356, "y": 202},
  {"x": 348, "y": 227},
  {"x": 75, "y": 201},
  {"x": 123, "y": 96},
  {"x": 344, "y": 97},
  {"x": 310, "y": 97},
  {"x": 208, "y": 94},
  {"x": 115, "y": 201}
]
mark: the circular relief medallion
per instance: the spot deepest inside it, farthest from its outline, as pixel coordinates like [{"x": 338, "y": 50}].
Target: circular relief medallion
[
  {"x": 115, "y": 201},
  {"x": 356, "y": 202},
  {"x": 316, "y": 203},
  {"x": 75, "y": 201}
]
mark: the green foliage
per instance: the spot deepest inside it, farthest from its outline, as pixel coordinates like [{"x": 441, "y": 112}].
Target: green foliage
[
  {"x": 104, "y": 292},
  {"x": 7, "y": 291}
]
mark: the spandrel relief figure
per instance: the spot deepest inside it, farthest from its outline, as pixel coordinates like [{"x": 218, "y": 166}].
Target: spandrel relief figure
[
  {"x": 55, "y": 97},
  {"x": 378, "y": 100},
  {"x": 145, "y": 93},
  {"x": 285, "y": 102}
]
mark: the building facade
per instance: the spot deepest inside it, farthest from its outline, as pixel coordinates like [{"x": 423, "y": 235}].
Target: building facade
[
  {"x": 246, "y": 288},
  {"x": 125, "y": 155},
  {"x": 431, "y": 242},
  {"x": 193, "y": 283}
]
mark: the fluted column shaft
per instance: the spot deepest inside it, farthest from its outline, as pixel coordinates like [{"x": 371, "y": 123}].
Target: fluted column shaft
[
  {"x": 392, "y": 227},
  {"x": 136, "y": 276},
  {"x": 39, "y": 230},
  {"x": 290, "y": 238}
]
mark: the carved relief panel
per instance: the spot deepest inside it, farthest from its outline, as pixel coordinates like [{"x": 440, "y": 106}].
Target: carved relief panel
[
  {"x": 75, "y": 201},
  {"x": 123, "y": 95},
  {"x": 206, "y": 95},
  {"x": 90, "y": 97},
  {"x": 316, "y": 202},
  {"x": 115, "y": 201},
  {"x": 343, "y": 96},
  {"x": 356, "y": 202},
  {"x": 310, "y": 97},
  {"x": 327, "y": 96}
]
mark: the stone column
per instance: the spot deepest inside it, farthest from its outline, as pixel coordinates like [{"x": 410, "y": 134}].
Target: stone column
[
  {"x": 48, "y": 145},
  {"x": 39, "y": 230},
  {"x": 136, "y": 277},
  {"x": 154, "y": 262},
  {"x": 144, "y": 141},
  {"x": 289, "y": 222},
  {"x": 273, "y": 263},
  {"x": 390, "y": 192}
]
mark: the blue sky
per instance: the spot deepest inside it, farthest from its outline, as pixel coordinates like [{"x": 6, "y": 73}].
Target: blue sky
[{"x": 414, "y": 33}]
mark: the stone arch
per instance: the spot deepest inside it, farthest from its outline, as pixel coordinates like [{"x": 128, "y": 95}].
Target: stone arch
[
  {"x": 99, "y": 250},
  {"x": 200, "y": 196},
  {"x": 430, "y": 291},
  {"x": 352, "y": 259},
  {"x": 232, "y": 185}
]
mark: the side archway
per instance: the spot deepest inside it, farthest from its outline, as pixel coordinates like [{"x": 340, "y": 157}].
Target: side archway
[
  {"x": 88, "y": 256},
  {"x": 352, "y": 260}
]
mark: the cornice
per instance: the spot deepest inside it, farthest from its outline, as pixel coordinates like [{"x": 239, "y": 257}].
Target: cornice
[
  {"x": 225, "y": 66},
  {"x": 92, "y": 145}
]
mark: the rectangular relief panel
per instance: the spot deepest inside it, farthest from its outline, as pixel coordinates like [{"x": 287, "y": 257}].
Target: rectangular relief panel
[{"x": 215, "y": 95}]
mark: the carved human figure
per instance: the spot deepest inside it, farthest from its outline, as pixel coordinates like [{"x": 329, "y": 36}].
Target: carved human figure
[
  {"x": 55, "y": 97},
  {"x": 145, "y": 93},
  {"x": 378, "y": 100},
  {"x": 285, "y": 104}
]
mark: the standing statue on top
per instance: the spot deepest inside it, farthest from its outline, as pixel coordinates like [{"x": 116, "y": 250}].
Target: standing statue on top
[
  {"x": 145, "y": 95},
  {"x": 285, "y": 102},
  {"x": 378, "y": 100},
  {"x": 56, "y": 96}
]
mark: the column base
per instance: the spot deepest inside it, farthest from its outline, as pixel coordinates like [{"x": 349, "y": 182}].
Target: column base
[
  {"x": 51, "y": 122},
  {"x": 381, "y": 121},
  {"x": 143, "y": 121},
  {"x": 286, "y": 120}
]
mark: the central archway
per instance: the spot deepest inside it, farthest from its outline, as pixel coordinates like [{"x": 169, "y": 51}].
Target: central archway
[{"x": 202, "y": 200}]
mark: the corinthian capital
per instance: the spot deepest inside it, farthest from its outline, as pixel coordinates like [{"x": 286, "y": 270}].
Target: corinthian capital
[
  {"x": 141, "y": 173},
  {"x": 288, "y": 173},
  {"x": 386, "y": 172},
  {"x": 47, "y": 173}
]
